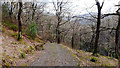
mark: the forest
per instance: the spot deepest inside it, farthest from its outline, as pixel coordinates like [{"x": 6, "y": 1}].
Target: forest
[{"x": 30, "y": 28}]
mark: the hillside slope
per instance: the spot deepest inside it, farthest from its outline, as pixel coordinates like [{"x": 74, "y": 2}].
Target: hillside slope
[
  {"x": 87, "y": 59},
  {"x": 23, "y": 53},
  {"x": 17, "y": 53}
]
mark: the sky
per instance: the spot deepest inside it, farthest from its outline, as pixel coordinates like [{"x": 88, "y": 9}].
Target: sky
[{"x": 84, "y": 6}]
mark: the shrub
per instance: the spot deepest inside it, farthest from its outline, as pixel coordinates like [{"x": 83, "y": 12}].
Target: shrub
[
  {"x": 32, "y": 30},
  {"x": 93, "y": 59}
]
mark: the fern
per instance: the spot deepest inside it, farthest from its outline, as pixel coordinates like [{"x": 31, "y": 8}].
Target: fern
[{"x": 32, "y": 30}]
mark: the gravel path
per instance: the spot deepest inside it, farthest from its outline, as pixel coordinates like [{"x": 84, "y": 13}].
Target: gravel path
[{"x": 55, "y": 55}]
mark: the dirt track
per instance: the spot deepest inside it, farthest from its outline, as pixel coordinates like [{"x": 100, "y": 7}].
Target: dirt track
[{"x": 55, "y": 55}]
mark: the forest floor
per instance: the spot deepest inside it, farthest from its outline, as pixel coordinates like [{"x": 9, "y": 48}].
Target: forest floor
[
  {"x": 17, "y": 53},
  {"x": 52, "y": 55}
]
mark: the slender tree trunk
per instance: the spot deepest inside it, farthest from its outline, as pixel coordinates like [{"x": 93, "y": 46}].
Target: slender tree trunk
[
  {"x": 10, "y": 13},
  {"x": 19, "y": 20},
  {"x": 72, "y": 41},
  {"x": 80, "y": 42},
  {"x": 57, "y": 29},
  {"x": 98, "y": 29},
  {"x": 33, "y": 10},
  {"x": 58, "y": 34},
  {"x": 92, "y": 41},
  {"x": 117, "y": 40}
]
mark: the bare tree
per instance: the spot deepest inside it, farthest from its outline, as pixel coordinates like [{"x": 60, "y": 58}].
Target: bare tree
[
  {"x": 19, "y": 19},
  {"x": 34, "y": 6},
  {"x": 98, "y": 25},
  {"x": 74, "y": 28},
  {"x": 117, "y": 35},
  {"x": 59, "y": 7}
]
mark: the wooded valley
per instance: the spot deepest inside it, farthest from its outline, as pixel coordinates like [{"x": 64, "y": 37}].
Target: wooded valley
[{"x": 94, "y": 32}]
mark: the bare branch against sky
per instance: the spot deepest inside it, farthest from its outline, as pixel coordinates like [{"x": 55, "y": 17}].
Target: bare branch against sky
[{"x": 81, "y": 5}]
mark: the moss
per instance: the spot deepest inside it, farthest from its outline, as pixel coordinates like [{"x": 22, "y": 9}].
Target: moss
[
  {"x": 14, "y": 35},
  {"x": 98, "y": 55},
  {"x": 87, "y": 57},
  {"x": 24, "y": 65},
  {"x": 93, "y": 59},
  {"x": 103, "y": 64},
  {"x": 74, "y": 55},
  {"x": 21, "y": 41},
  {"x": 108, "y": 57},
  {"x": 29, "y": 37},
  {"x": 108, "y": 62}
]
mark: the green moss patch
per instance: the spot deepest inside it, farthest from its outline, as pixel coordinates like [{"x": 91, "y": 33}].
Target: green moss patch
[{"x": 93, "y": 59}]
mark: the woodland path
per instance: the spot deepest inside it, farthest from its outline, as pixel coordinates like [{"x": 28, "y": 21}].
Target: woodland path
[{"x": 55, "y": 55}]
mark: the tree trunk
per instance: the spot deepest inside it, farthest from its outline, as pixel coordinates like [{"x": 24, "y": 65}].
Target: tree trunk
[
  {"x": 57, "y": 28},
  {"x": 117, "y": 40},
  {"x": 58, "y": 36},
  {"x": 72, "y": 41},
  {"x": 33, "y": 11},
  {"x": 92, "y": 41},
  {"x": 10, "y": 12},
  {"x": 19, "y": 20},
  {"x": 97, "y": 30}
]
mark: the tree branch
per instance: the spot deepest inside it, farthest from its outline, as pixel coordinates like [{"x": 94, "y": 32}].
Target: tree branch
[
  {"x": 102, "y": 4},
  {"x": 105, "y": 15}
]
